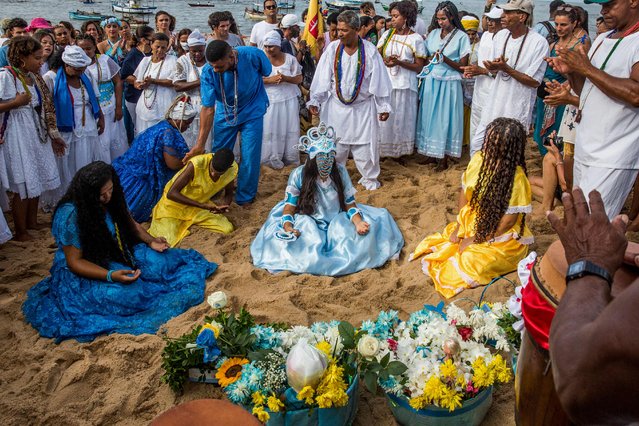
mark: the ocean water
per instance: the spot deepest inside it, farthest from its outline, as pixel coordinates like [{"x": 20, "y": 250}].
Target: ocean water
[{"x": 189, "y": 17}]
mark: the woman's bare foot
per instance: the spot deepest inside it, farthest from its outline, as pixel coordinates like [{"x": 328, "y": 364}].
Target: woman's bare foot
[{"x": 441, "y": 165}]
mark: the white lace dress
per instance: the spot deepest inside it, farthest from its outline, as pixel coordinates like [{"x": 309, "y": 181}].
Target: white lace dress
[
  {"x": 186, "y": 70},
  {"x": 29, "y": 163},
  {"x": 155, "y": 100}
]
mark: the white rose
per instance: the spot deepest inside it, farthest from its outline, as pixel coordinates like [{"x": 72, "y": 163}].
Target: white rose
[
  {"x": 217, "y": 300},
  {"x": 368, "y": 346}
]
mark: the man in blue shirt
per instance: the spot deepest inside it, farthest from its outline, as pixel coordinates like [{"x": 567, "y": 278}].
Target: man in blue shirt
[
  {"x": 237, "y": 106},
  {"x": 16, "y": 27}
]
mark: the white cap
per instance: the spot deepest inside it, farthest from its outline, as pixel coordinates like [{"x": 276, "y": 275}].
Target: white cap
[
  {"x": 74, "y": 56},
  {"x": 495, "y": 13},
  {"x": 196, "y": 38},
  {"x": 290, "y": 20},
  {"x": 272, "y": 38}
]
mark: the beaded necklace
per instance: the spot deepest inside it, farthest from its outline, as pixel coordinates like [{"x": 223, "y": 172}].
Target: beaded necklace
[
  {"x": 395, "y": 69},
  {"x": 154, "y": 91},
  {"x": 230, "y": 108},
  {"x": 361, "y": 68},
  {"x": 35, "y": 110},
  {"x": 505, "y": 76}
]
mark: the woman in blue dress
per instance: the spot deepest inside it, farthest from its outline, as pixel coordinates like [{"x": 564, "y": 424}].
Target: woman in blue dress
[
  {"x": 109, "y": 275},
  {"x": 318, "y": 228},
  {"x": 153, "y": 159},
  {"x": 440, "y": 118}
]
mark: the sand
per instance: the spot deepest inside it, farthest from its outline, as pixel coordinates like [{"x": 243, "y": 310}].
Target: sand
[{"x": 115, "y": 379}]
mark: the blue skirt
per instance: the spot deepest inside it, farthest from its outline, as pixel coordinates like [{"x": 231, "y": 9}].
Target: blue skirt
[
  {"x": 331, "y": 249},
  {"x": 539, "y": 137},
  {"x": 67, "y": 306},
  {"x": 440, "y": 118}
]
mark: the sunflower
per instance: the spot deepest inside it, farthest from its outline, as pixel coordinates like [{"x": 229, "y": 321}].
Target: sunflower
[{"x": 230, "y": 371}]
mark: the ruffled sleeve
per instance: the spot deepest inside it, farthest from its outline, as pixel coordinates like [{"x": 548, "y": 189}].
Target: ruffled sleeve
[
  {"x": 8, "y": 89},
  {"x": 349, "y": 189},
  {"x": 65, "y": 226},
  {"x": 521, "y": 197},
  {"x": 181, "y": 70},
  {"x": 294, "y": 187}
]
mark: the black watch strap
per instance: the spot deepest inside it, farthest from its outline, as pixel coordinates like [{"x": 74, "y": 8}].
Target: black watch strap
[{"x": 583, "y": 268}]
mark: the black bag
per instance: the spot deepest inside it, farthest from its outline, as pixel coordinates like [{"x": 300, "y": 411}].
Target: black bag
[
  {"x": 308, "y": 70},
  {"x": 552, "y": 36}
]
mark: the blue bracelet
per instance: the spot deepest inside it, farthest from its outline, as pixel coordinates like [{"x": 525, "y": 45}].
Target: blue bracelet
[
  {"x": 287, "y": 218},
  {"x": 352, "y": 212},
  {"x": 109, "y": 279}
]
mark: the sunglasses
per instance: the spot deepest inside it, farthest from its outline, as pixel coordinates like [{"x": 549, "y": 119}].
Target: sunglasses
[
  {"x": 566, "y": 8},
  {"x": 270, "y": 7}
]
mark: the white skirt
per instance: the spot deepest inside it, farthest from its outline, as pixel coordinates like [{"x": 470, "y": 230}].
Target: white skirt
[
  {"x": 113, "y": 141},
  {"x": 397, "y": 134},
  {"x": 5, "y": 232},
  {"x": 281, "y": 134}
]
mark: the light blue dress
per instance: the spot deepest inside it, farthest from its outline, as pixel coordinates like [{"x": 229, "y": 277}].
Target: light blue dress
[
  {"x": 328, "y": 243},
  {"x": 67, "y": 306},
  {"x": 142, "y": 170},
  {"x": 440, "y": 118}
]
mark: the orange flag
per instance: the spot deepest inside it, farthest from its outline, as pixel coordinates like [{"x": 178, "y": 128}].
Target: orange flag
[{"x": 314, "y": 26}]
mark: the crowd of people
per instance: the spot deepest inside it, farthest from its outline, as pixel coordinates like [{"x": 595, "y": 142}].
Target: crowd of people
[{"x": 108, "y": 127}]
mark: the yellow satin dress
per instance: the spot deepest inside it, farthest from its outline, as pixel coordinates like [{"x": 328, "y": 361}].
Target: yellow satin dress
[
  {"x": 452, "y": 271},
  {"x": 172, "y": 220}
]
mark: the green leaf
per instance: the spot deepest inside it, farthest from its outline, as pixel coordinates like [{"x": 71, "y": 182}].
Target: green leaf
[
  {"x": 385, "y": 360},
  {"x": 375, "y": 367},
  {"x": 346, "y": 330},
  {"x": 383, "y": 375},
  {"x": 396, "y": 368},
  {"x": 370, "y": 379}
]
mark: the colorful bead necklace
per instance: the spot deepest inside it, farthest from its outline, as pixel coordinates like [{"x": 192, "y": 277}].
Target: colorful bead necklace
[
  {"x": 230, "y": 110},
  {"x": 361, "y": 68}
]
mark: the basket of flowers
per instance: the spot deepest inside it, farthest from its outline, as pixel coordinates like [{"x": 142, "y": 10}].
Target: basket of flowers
[{"x": 452, "y": 363}]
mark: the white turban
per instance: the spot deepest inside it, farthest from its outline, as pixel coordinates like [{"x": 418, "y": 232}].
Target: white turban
[
  {"x": 75, "y": 57},
  {"x": 183, "y": 111},
  {"x": 196, "y": 39},
  {"x": 273, "y": 38}
]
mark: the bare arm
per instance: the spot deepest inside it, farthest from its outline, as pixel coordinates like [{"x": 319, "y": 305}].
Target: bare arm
[
  {"x": 21, "y": 99},
  {"x": 457, "y": 66},
  {"x": 118, "y": 88},
  {"x": 183, "y": 86},
  {"x": 83, "y": 268},
  {"x": 206, "y": 123},
  {"x": 180, "y": 183},
  {"x": 161, "y": 82},
  {"x": 625, "y": 90},
  {"x": 172, "y": 162},
  {"x": 297, "y": 79},
  {"x": 412, "y": 66}
]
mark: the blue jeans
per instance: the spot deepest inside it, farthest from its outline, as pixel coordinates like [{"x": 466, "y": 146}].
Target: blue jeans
[{"x": 251, "y": 150}]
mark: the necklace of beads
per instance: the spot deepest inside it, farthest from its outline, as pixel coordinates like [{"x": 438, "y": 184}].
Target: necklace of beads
[
  {"x": 230, "y": 110},
  {"x": 36, "y": 115},
  {"x": 151, "y": 94},
  {"x": 395, "y": 69},
  {"x": 505, "y": 76},
  {"x": 361, "y": 68}
]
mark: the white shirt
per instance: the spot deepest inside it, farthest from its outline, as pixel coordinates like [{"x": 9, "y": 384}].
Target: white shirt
[
  {"x": 483, "y": 82},
  {"x": 284, "y": 91},
  {"x": 507, "y": 97},
  {"x": 259, "y": 31},
  {"x": 186, "y": 70},
  {"x": 608, "y": 134},
  {"x": 406, "y": 48}
]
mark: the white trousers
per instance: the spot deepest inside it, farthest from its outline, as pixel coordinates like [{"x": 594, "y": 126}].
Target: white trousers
[
  {"x": 366, "y": 161},
  {"x": 614, "y": 185},
  {"x": 130, "y": 106}
]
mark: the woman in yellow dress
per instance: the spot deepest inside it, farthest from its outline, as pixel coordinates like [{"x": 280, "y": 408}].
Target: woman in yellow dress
[
  {"x": 186, "y": 200},
  {"x": 490, "y": 235}
]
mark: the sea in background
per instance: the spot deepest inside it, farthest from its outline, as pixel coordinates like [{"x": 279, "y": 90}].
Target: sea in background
[{"x": 190, "y": 17}]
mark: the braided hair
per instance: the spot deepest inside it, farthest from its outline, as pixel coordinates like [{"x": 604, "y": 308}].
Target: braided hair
[
  {"x": 98, "y": 244},
  {"x": 503, "y": 151}
]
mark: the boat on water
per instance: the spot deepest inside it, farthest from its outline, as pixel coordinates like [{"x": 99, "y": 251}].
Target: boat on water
[
  {"x": 334, "y": 5},
  {"x": 82, "y": 15},
  {"x": 258, "y": 15},
  {"x": 134, "y": 6},
  {"x": 87, "y": 1},
  {"x": 201, "y": 4}
]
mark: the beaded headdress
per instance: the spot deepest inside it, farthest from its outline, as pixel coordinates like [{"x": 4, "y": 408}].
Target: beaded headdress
[{"x": 318, "y": 139}]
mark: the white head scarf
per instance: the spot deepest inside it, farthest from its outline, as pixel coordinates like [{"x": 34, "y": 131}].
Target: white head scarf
[
  {"x": 75, "y": 57},
  {"x": 183, "y": 110},
  {"x": 273, "y": 38},
  {"x": 196, "y": 39}
]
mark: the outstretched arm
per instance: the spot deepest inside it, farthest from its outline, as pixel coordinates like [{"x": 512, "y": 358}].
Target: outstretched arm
[{"x": 84, "y": 268}]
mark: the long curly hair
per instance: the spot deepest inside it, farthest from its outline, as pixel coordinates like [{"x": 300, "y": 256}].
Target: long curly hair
[
  {"x": 310, "y": 173},
  {"x": 503, "y": 151},
  {"x": 21, "y": 47},
  {"x": 98, "y": 244}
]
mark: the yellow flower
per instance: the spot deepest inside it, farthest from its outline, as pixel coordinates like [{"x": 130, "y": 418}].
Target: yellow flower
[
  {"x": 261, "y": 413},
  {"x": 306, "y": 394},
  {"x": 482, "y": 375},
  {"x": 258, "y": 398},
  {"x": 417, "y": 403},
  {"x": 448, "y": 369},
  {"x": 450, "y": 399},
  {"x": 331, "y": 391},
  {"x": 433, "y": 390},
  {"x": 215, "y": 328},
  {"x": 325, "y": 347},
  {"x": 500, "y": 369},
  {"x": 230, "y": 371},
  {"x": 274, "y": 404}
]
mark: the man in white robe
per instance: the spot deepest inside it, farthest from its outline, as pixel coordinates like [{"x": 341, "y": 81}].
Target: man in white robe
[
  {"x": 518, "y": 68},
  {"x": 356, "y": 123}
]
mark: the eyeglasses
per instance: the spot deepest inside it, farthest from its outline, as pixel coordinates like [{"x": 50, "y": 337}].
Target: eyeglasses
[
  {"x": 566, "y": 8},
  {"x": 270, "y": 7}
]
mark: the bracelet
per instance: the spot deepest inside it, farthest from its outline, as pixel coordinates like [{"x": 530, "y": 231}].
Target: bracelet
[
  {"x": 287, "y": 218},
  {"x": 108, "y": 277},
  {"x": 352, "y": 212}
]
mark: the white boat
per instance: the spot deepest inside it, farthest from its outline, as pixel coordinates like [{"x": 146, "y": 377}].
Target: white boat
[
  {"x": 133, "y": 6},
  {"x": 338, "y": 4}
]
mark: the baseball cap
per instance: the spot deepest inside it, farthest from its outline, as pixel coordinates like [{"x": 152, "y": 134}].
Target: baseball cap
[
  {"x": 525, "y": 6},
  {"x": 290, "y": 20},
  {"x": 495, "y": 13}
]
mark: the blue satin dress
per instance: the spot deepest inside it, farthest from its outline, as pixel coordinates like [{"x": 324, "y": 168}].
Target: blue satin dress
[
  {"x": 142, "y": 170},
  {"x": 328, "y": 243},
  {"x": 67, "y": 306}
]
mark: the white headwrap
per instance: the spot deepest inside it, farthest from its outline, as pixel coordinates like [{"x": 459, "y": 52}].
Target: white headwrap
[
  {"x": 273, "y": 38},
  {"x": 75, "y": 57},
  {"x": 183, "y": 111},
  {"x": 196, "y": 39}
]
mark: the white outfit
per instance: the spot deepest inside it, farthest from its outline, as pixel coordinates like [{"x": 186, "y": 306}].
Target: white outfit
[
  {"x": 508, "y": 97},
  {"x": 155, "y": 100},
  {"x": 481, "y": 92},
  {"x": 607, "y": 141},
  {"x": 259, "y": 31},
  {"x": 420, "y": 27},
  {"x": 29, "y": 163},
  {"x": 356, "y": 125},
  {"x": 186, "y": 70},
  {"x": 5, "y": 232},
  {"x": 113, "y": 141},
  {"x": 397, "y": 134},
  {"x": 282, "y": 121}
]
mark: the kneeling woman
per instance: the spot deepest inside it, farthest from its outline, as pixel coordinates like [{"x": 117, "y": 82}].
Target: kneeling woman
[
  {"x": 318, "y": 228},
  {"x": 490, "y": 235},
  {"x": 109, "y": 275}
]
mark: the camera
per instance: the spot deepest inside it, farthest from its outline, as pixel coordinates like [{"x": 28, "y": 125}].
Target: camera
[{"x": 558, "y": 141}]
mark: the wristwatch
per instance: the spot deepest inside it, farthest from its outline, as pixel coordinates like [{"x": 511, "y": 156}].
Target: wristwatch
[{"x": 582, "y": 268}]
